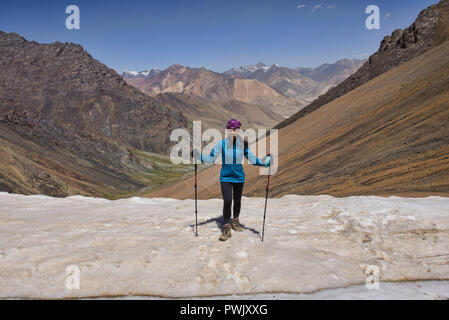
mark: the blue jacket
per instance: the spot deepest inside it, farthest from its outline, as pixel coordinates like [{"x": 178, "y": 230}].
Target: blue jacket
[{"x": 232, "y": 158}]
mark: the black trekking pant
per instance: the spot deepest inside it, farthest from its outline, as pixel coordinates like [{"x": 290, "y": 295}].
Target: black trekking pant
[{"x": 231, "y": 191}]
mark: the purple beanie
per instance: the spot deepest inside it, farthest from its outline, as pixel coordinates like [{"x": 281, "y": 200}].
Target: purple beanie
[{"x": 233, "y": 124}]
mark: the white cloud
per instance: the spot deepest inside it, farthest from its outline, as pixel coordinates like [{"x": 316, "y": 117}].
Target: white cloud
[
  {"x": 362, "y": 56},
  {"x": 317, "y": 7},
  {"x": 387, "y": 15}
]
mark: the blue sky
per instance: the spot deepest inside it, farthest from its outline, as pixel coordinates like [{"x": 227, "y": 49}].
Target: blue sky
[{"x": 218, "y": 35}]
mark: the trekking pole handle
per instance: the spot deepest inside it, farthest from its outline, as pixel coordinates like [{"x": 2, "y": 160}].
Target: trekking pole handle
[{"x": 269, "y": 173}]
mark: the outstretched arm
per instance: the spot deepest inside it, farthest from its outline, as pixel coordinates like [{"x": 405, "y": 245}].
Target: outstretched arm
[
  {"x": 252, "y": 158},
  {"x": 210, "y": 159}
]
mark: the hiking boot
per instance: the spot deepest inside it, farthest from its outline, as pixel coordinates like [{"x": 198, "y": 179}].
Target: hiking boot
[
  {"x": 226, "y": 233},
  {"x": 236, "y": 225}
]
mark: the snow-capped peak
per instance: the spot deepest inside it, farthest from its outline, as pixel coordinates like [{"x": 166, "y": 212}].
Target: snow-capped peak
[
  {"x": 140, "y": 74},
  {"x": 252, "y": 68}
]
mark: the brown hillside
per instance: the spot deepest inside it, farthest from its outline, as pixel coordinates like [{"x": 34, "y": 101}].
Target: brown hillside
[{"x": 215, "y": 114}]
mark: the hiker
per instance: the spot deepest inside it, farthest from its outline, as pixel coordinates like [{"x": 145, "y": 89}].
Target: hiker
[{"x": 232, "y": 176}]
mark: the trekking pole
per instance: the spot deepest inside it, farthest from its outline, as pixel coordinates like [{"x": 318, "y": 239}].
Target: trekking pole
[
  {"x": 266, "y": 198},
  {"x": 196, "y": 196}
]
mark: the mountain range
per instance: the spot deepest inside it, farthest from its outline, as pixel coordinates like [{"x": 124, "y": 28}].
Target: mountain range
[
  {"x": 216, "y": 87},
  {"x": 282, "y": 90},
  {"x": 301, "y": 84}
]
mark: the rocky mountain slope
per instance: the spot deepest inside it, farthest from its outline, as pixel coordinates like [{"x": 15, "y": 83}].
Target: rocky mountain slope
[
  {"x": 389, "y": 136},
  {"x": 69, "y": 124}
]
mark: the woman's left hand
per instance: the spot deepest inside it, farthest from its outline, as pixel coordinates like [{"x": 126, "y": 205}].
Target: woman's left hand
[{"x": 267, "y": 161}]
